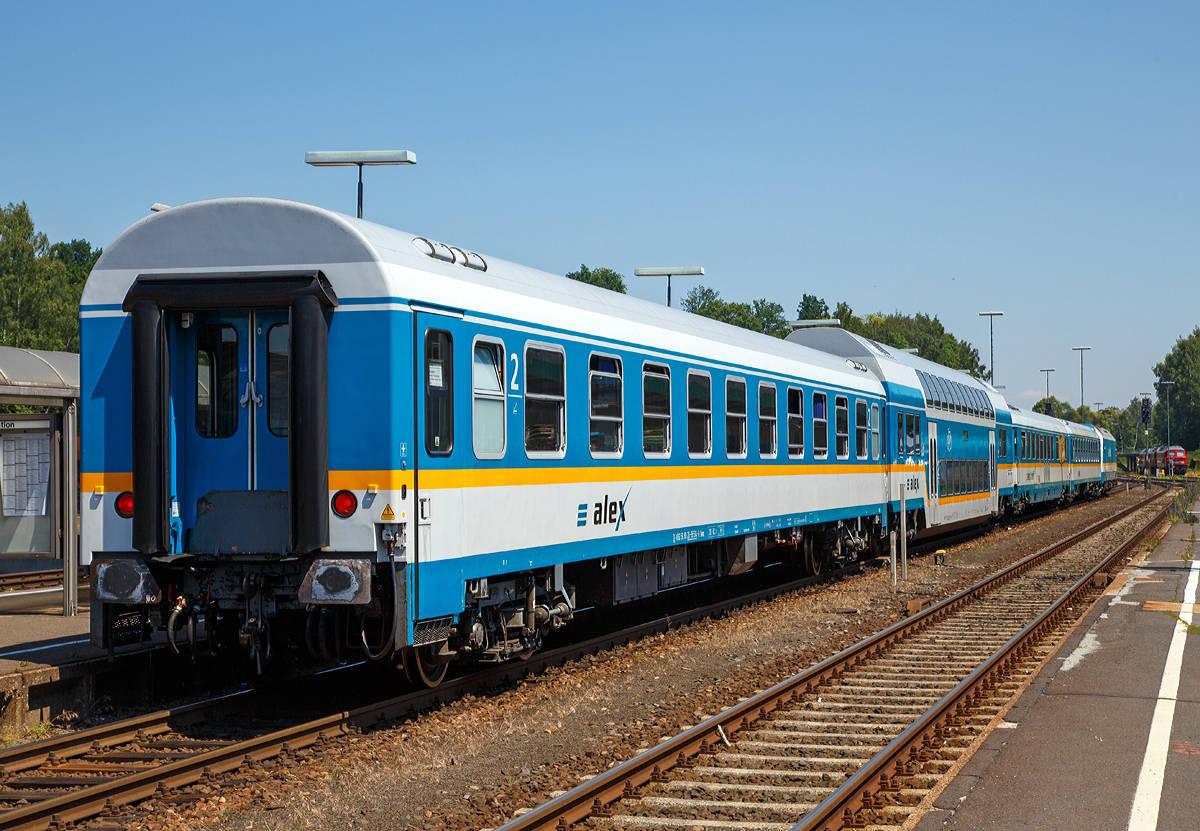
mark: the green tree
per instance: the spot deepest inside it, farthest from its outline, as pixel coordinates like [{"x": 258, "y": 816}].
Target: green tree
[
  {"x": 771, "y": 319},
  {"x": 761, "y": 316},
  {"x": 812, "y": 308},
  {"x": 1181, "y": 366},
  {"x": 40, "y": 284},
  {"x": 605, "y": 278}
]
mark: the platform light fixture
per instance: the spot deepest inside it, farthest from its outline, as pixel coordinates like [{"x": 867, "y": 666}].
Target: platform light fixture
[
  {"x": 832, "y": 322},
  {"x": 1081, "y": 350},
  {"x": 359, "y": 159},
  {"x": 991, "y": 316},
  {"x": 681, "y": 271},
  {"x": 1047, "y": 371}
]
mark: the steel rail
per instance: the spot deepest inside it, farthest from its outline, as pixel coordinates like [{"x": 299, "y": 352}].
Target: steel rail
[
  {"x": 625, "y": 780},
  {"x": 27, "y": 756},
  {"x": 26, "y": 580}
]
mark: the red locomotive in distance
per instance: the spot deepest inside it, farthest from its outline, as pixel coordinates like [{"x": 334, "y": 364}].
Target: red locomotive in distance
[{"x": 1163, "y": 461}]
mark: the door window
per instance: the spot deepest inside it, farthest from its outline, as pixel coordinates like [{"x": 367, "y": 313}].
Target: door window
[
  {"x": 216, "y": 381},
  {"x": 874, "y": 432},
  {"x": 439, "y": 393},
  {"x": 277, "y": 380}
]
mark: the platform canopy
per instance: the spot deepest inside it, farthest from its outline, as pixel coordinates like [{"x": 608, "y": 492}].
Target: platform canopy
[{"x": 35, "y": 377}]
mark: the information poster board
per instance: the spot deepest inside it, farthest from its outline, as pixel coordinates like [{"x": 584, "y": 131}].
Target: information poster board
[{"x": 27, "y": 505}]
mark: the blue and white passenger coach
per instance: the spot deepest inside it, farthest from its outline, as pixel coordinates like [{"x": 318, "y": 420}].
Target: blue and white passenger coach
[
  {"x": 321, "y": 435},
  {"x": 323, "y": 438}
]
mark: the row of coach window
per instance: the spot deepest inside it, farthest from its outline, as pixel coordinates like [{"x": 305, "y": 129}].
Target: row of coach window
[
  {"x": 962, "y": 476},
  {"x": 944, "y": 394},
  {"x": 747, "y": 406},
  {"x": 1085, "y": 450},
  {"x": 1038, "y": 447}
]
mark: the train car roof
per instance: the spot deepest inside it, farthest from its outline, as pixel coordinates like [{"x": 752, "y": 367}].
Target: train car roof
[
  {"x": 371, "y": 264},
  {"x": 890, "y": 365},
  {"x": 1038, "y": 421}
]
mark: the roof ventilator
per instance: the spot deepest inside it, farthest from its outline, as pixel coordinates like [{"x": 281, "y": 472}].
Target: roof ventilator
[
  {"x": 857, "y": 365},
  {"x": 450, "y": 254}
]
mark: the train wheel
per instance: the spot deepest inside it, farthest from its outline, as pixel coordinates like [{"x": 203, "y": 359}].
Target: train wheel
[
  {"x": 812, "y": 559},
  {"x": 423, "y": 669}
]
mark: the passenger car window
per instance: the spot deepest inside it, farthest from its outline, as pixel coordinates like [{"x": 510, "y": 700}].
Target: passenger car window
[
  {"x": 735, "y": 418},
  {"x": 545, "y": 401},
  {"x": 656, "y": 410},
  {"x": 795, "y": 423},
  {"x": 699, "y": 389},
  {"x": 216, "y": 381},
  {"x": 605, "y": 433},
  {"x": 947, "y": 399},
  {"x": 487, "y": 399},
  {"x": 768, "y": 436},
  {"x": 820, "y": 426},
  {"x": 841, "y": 426},
  {"x": 924, "y": 379}
]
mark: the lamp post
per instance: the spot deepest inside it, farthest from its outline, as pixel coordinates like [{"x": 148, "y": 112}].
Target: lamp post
[
  {"x": 682, "y": 271},
  {"x": 1047, "y": 371},
  {"x": 1081, "y": 350},
  {"x": 1168, "y": 385},
  {"x": 359, "y": 158},
  {"x": 991, "y": 316}
]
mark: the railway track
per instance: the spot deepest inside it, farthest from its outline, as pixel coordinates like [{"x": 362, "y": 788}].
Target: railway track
[
  {"x": 171, "y": 754},
  {"x": 30, "y": 580},
  {"x": 859, "y": 740}
]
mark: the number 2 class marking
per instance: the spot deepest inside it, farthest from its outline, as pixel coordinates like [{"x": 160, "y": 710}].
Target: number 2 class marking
[{"x": 513, "y": 385}]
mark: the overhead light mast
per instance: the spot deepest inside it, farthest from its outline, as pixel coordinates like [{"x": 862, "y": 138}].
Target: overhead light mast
[
  {"x": 680, "y": 271},
  {"x": 359, "y": 158}
]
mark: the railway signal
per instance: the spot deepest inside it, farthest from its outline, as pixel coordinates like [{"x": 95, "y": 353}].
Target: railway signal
[{"x": 1145, "y": 411}]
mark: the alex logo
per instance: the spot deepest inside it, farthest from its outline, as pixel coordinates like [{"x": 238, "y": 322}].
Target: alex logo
[{"x": 605, "y": 512}]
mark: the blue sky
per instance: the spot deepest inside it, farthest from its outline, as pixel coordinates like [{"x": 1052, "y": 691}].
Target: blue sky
[{"x": 1039, "y": 158}]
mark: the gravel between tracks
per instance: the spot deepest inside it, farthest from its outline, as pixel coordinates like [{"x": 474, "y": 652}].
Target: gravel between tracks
[{"x": 475, "y": 762}]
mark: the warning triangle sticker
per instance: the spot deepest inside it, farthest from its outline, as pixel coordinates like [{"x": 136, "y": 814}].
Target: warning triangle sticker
[{"x": 387, "y": 513}]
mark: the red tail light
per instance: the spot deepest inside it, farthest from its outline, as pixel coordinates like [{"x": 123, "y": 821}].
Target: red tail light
[
  {"x": 124, "y": 505},
  {"x": 345, "y": 503}
]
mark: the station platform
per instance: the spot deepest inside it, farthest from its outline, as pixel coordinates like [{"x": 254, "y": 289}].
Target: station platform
[
  {"x": 50, "y": 672},
  {"x": 1107, "y": 736},
  {"x": 42, "y": 635}
]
